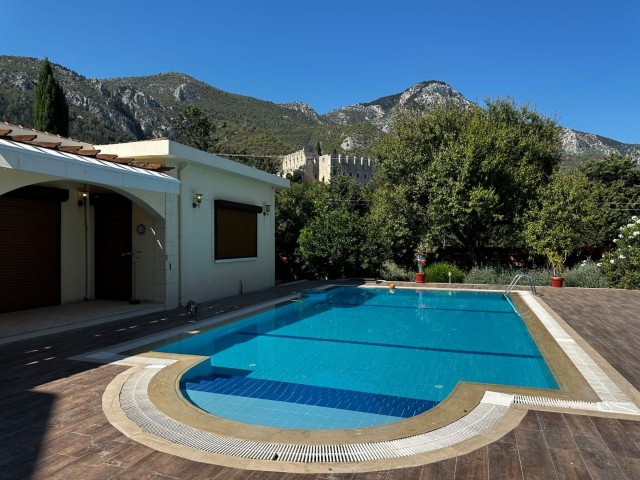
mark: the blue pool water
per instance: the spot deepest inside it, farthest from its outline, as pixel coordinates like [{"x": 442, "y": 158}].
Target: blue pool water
[{"x": 355, "y": 357}]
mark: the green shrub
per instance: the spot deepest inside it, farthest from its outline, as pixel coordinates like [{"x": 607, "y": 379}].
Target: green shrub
[
  {"x": 541, "y": 276},
  {"x": 489, "y": 276},
  {"x": 588, "y": 274},
  {"x": 439, "y": 273},
  {"x": 391, "y": 271},
  {"x": 504, "y": 275}
]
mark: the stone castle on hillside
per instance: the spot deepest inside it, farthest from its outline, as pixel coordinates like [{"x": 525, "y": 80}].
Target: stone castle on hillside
[{"x": 322, "y": 168}]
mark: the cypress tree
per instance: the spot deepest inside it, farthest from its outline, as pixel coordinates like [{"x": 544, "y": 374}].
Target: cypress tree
[{"x": 50, "y": 110}]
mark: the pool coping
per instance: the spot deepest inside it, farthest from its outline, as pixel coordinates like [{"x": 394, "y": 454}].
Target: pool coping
[{"x": 163, "y": 393}]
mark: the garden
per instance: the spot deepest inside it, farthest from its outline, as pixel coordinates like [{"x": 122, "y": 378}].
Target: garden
[{"x": 455, "y": 184}]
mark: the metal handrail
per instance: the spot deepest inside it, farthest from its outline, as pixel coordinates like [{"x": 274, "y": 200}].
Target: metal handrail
[{"x": 515, "y": 281}]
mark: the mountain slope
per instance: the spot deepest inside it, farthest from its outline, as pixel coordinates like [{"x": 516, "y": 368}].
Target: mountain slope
[{"x": 131, "y": 108}]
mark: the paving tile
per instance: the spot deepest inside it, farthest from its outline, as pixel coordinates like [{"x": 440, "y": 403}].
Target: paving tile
[
  {"x": 616, "y": 438},
  {"x": 508, "y": 438},
  {"x": 298, "y": 476},
  {"x": 443, "y": 470},
  {"x": 47, "y": 465},
  {"x": 556, "y": 432},
  {"x": 569, "y": 464},
  {"x": 130, "y": 456},
  {"x": 504, "y": 461},
  {"x": 599, "y": 460},
  {"x": 530, "y": 421},
  {"x": 630, "y": 466},
  {"x": 370, "y": 476},
  {"x": 535, "y": 458},
  {"x": 473, "y": 466},
  {"x": 208, "y": 471},
  {"x": 260, "y": 475},
  {"x": 631, "y": 428},
  {"x": 412, "y": 473},
  {"x": 581, "y": 425},
  {"x": 335, "y": 476}
]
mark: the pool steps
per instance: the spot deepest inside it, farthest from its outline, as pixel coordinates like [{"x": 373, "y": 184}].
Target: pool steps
[{"x": 137, "y": 406}]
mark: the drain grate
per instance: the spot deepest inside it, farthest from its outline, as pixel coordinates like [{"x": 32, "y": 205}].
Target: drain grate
[
  {"x": 139, "y": 409},
  {"x": 628, "y": 408},
  {"x": 555, "y": 403}
]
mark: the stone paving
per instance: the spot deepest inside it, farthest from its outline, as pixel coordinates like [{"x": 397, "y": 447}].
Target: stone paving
[{"x": 52, "y": 424}]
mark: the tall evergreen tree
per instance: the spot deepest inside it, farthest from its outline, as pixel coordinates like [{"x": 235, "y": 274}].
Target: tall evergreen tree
[
  {"x": 50, "y": 110},
  {"x": 193, "y": 127}
]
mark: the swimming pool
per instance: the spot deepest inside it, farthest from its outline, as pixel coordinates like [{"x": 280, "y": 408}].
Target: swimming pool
[{"x": 356, "y": 357}]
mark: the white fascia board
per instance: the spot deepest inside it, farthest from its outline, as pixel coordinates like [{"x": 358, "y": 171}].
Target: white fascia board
[
  {"x": 185, "y": 152},
  {"x": 31, "y": 158},
  {"x": 163, "y": 150}
]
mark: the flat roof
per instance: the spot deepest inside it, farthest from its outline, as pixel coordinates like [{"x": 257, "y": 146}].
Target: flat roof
[{"x": 159, "y": 149}]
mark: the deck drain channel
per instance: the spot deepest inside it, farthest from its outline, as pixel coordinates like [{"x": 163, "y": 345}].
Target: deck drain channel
[
  {"x": 611, "y": 407},
  {"x": 138, "y": 408}
]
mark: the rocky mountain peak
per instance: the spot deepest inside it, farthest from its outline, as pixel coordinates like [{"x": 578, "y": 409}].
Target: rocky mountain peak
[
  {"x": 381, "y": 112},
  {"x": 303, "y": 108},
  {"x": 431, "y": 93}
]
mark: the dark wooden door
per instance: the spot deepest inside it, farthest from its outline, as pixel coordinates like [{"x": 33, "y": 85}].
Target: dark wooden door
[
  {"x": 29, "y": 253},
  {"x": 112, "y": 247}
]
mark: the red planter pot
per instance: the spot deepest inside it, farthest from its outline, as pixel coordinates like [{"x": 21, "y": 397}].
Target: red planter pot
[
  {"x": 421, "y": 277},
  {"x": 557, "y": 281}
]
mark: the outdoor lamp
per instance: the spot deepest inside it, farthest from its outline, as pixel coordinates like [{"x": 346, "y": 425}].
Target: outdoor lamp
[
  {"x": 197, "y": 200},
  {"x": 83, "y": 196},
  {"x": 266, "y": 209}
]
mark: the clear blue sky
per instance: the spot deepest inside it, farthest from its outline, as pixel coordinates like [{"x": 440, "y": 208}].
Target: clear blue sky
[{"x": 575, "y": 60}]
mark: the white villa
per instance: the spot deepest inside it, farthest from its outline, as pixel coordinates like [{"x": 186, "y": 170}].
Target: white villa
[{"x": 152, "y": 221}]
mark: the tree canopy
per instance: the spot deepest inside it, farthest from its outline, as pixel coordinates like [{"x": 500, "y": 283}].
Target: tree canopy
[
  {"x": 616, "y": 183},
  {"x": 565, "y": 220},
  {"x": 463, "y": 176},
  {"x": 194, "y": 128},
  {"x": 50, "y": 109}
]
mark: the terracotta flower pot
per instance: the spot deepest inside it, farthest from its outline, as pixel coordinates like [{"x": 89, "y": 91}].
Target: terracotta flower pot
[
  {"x": 557, "y": 281},
  {"x": 421, "y": 277}
]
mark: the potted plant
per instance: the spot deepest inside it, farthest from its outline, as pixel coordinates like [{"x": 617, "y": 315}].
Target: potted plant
[
  {"x": 563, "y": 223},
  {"x": 556, "y": 260},
  {"x": 421, "y": 261}
]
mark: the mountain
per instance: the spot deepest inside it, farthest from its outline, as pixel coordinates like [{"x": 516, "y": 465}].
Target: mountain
[
  {"x": 380, "y": 112},
  {"x": 578, "y": 145},
  {"x": 135, "y": 108},
  {"x": 131, "y": 108}
]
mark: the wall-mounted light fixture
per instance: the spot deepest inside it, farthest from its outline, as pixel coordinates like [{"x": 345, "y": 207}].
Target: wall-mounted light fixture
[
  {"x": 197, "y": 200},
  {"x": 266, "y": 209},
  {"x": 83, "y": 196}
]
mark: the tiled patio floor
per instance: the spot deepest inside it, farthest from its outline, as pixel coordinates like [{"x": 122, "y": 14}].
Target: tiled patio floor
[{"x": 52, "y": 424}]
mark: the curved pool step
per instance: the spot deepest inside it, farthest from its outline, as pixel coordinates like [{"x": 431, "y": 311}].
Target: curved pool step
[{"x": 137, "y": 406}]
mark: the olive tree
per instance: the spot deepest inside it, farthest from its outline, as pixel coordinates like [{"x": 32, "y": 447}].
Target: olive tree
[
  {"x": 566, "y": 219},
  {"x": 463, "y": 176}
]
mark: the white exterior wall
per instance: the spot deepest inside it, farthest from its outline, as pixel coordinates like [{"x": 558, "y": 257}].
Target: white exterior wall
[
  {"x": 202, "y": 277},
  {"x": 72, "y": 246},
  {"x": 192, "y": 272}
]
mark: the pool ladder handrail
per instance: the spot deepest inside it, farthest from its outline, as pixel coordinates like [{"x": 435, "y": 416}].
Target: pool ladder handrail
[{"x": 515, "y": 281}]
